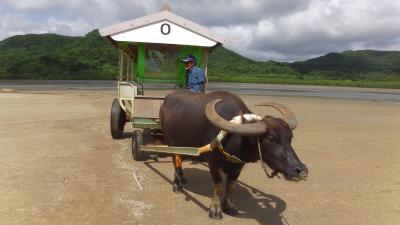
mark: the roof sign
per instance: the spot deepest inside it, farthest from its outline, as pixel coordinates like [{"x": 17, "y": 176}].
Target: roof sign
[
  {"x": 164, "y": 32},
  {"x": 163, "y": 27}
]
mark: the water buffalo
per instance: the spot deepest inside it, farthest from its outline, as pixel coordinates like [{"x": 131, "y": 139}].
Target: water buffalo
[{"x": 198, "y": 119}]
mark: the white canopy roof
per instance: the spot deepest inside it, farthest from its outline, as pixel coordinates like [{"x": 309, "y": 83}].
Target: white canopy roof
[{"x": 163, "y": 27}]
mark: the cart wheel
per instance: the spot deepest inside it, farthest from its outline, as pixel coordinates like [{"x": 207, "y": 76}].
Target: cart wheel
[
  {"x": 137, "y": 139},
  {"x": 117, "y": 120}
]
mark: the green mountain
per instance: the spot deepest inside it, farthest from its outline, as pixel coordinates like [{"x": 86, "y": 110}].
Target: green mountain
[
  {"x": 225, "y": 62},
  {"x": 352, "y": 65},
  {"x": 52, "y": 56}
]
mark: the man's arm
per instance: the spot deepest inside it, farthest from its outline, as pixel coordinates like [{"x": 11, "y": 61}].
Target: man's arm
[
  {"x": 202, "y": 83},
  {"x": 202, "y": 87}
]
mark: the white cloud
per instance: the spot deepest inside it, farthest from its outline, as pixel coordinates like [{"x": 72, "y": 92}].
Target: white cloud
[
  {"x": 76, "y": 27},
  {"x": 33, "y": 5},
  {"x": 322, "y": 27},
  {"x": 12, "y": 25},
  {"x": 260, "y": 29}
]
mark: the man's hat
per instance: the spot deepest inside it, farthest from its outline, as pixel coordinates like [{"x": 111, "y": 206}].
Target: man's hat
[{"x": 189, "y": 58}]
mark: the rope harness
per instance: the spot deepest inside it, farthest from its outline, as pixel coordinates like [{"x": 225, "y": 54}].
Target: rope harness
[
  {"x": 264, "y": 165},
  {"x": 216, "y": 144}
]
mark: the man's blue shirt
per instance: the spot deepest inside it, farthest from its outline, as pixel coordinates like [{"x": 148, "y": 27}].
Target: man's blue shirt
[{"x": 194, "y": 77}]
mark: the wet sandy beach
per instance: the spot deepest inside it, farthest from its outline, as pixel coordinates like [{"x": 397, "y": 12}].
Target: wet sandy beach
[{"x": 59, "y": 165}]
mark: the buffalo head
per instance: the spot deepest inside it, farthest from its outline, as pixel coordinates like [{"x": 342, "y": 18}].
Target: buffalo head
[{"x": 274, "y": 139}]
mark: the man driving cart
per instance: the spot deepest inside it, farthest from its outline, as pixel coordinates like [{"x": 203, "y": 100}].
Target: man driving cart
[{"x": 195, "y": 78}]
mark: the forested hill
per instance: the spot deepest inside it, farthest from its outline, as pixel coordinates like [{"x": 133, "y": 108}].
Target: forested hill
[
  {"x": 352, "y": 64},
  {"x": 51, "y": 56}
]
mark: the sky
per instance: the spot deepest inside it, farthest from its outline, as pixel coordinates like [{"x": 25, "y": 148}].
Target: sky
[{"x": 280, "y": 30}]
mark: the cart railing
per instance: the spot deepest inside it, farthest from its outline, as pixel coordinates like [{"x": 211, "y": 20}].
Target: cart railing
[
  {"x": 138, "y": 106},
  {"x": 147, "y": 106},
  {"x": 126, "y": 94}
]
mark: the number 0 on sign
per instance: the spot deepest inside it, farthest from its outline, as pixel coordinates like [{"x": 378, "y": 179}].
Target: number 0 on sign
[{"x": 165, "y": 28}]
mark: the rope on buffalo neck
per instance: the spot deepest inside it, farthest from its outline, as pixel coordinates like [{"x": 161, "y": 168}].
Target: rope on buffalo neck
[
  {"x": 264, "y": 165},
  {"x": 216, "y": 142}
]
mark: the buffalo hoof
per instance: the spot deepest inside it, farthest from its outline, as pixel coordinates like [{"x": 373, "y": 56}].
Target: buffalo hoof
[
  {"x": 177, "y": 189},
  {"x": 228, "y": 208},
  {"x": 215, "y": 213},
  {"x": 230, "y": 211}
]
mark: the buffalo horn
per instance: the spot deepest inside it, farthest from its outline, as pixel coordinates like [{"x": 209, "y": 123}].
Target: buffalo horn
[
  {"x": 288, "y": 115},
  {"x": 251, "y": 129}
]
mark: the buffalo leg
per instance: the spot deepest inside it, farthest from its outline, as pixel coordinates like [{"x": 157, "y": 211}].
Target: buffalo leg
[
  {"x": 215, "y": 211},
  {"x": 178, "y": 175},
  {"x": 215, "y": 208},
  {"x": 227, "y": 206}
]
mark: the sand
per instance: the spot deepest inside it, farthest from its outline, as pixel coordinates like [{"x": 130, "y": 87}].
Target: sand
[{"x": 59, "y": 165}]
